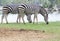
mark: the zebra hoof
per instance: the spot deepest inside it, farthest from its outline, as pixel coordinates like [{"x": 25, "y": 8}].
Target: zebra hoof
[
  {"x": 17, "y": 21},
  {"x": 47, "y": 23},
  {"x": 33, "y": 22},
  {"x": 30, "y": 22},
  {"x": 7, "y": 23},
  {"x": 24, "y": 23}
]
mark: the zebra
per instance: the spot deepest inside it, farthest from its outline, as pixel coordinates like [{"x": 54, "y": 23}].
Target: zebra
[
  {"x": 35, "y": 9},
  {"x": 21, "y": 14},
  {"x": 14, "y": 9}
]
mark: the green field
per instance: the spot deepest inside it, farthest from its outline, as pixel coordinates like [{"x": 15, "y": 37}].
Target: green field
[{"x": 51, "y": 28}]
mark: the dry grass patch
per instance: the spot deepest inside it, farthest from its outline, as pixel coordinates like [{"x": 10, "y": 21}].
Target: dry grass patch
[{"x": 22, "y": 35}]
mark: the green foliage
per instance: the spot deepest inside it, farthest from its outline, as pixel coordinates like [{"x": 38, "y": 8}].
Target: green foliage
[
  {"x": 15, "y": 1},
  {"x": 3, "y": 2},
  {"x": 53, "y": 2},
  {"x": 58, "y": 2},
  {"x": 45, "y": 3}
]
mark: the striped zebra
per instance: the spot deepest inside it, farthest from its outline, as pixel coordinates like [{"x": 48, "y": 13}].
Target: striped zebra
[
  {"x": 35, "y": 9},
  {"x": 14, "y": 9}
]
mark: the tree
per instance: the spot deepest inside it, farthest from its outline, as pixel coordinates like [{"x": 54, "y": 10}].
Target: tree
[
  {"x": 0, "y": 2},
  {"x": 58, "y": 2},
  {"x": 45, "y": 3},
  {"x": 3, "y": 2}
]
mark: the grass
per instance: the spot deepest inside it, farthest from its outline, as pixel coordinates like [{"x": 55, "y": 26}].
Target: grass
[{"x": 51, "y": 28}]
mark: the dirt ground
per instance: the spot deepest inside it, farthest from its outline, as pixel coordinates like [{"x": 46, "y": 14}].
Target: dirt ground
[{"x": 22, "y": 35}]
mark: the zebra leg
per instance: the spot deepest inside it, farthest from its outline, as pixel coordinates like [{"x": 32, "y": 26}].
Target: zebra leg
[
  {"x": 29, "y": 18},
  {"x": 35, "y": 17},
  {"x": 2, "y": 18},
  {"x": 17, "y": 19},
  {"x": 45, "y": 17},
  {"x": 5, "y": 13},
  {"x": 6, "y": 18},
  {"x": 23, "y": 19}
]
